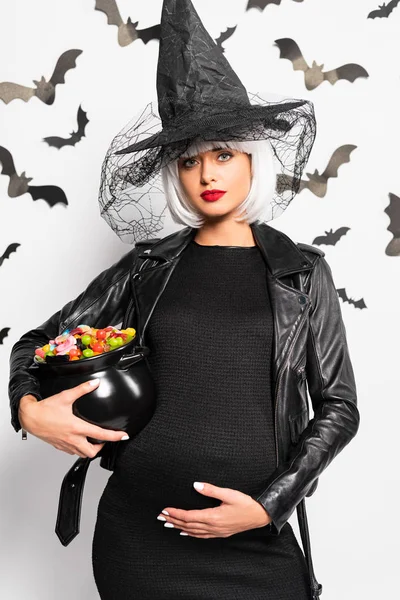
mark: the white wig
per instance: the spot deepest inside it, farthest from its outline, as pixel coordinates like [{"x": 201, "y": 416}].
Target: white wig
[{"x": 257, "y": 204}]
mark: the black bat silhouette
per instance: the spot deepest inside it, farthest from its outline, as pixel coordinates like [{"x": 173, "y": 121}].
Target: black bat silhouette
[
  {"x": 384, "y": 10},
  {"x": 3, "y": 333},
  {"x": 393, "y": 212},
  {"x": 45, "y": 90},
  {"x": 225, "y": 36},
  {"x": 75, "y": 136},
  {"x": 318, "y": 183},
  {"x": 331, "y": 238},
  {"x": 18, "y": 185},
  {"x": 314, "y": 75},
  {"x": 261, "y": 4},
  {"x": 357, "y": 303},
  {"x": 10, "y": 248},
  {"x": 127, "y": 32}
]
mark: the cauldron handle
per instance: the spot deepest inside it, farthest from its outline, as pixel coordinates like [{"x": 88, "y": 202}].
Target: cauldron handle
[{"x": 127, "y": 360}]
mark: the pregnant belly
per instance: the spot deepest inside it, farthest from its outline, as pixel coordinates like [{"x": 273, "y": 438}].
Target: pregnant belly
[{"x": 161, "y": 466}]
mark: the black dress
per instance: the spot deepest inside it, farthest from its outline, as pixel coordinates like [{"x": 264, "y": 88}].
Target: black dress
[{"x": 210, "y": 337}]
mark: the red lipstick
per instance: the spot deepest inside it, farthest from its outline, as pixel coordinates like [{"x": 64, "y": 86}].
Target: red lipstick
[{"x": 212, "y": 195}]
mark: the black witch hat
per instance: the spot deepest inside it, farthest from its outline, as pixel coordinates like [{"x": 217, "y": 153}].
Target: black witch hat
[{"x": 199, "y": 97}]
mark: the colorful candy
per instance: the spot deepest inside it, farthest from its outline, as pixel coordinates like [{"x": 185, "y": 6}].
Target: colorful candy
[{"x": 83, "y": 342}]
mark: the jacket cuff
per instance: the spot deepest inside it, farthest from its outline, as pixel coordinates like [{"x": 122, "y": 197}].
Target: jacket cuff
[
  {"x": 14, "y": 406},
  {"x": 273, "y": 506}
]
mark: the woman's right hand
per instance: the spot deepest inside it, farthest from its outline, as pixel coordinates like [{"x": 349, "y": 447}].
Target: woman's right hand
[{"x": 53, "y": 421}]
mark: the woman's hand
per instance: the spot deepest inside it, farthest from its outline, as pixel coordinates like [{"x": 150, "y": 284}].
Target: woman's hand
[
  {"x": 237, "y": 512},
  {"x": 53, "y": 421}
]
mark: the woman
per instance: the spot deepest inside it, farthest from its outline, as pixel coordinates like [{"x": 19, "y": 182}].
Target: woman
[
  {"x": 214, "y": 418},
  {"x": 237, "y": 316}
]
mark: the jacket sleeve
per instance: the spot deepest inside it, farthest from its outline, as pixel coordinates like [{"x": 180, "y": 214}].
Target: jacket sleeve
[
  {"x": 103, "y": 302},
  {"x": 332, "y": 390}
]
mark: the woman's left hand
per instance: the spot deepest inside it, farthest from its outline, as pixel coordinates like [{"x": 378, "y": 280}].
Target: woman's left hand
[{"x": 237, "y": 512}]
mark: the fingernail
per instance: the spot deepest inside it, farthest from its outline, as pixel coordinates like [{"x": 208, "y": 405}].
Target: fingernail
[
  {"x": 94, "y": 382},
  {"x": 160, "y": 518},
  {"x": 168, "y": 525},
  {"x": 125, "y": 437},
  {"x": 183, "y": 533},
  {"x": 198, "y": 486},
  {"x": 165, "y": 512}
]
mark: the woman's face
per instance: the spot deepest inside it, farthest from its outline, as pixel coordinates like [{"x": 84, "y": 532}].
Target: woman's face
[{"x": 220, "y": 169}]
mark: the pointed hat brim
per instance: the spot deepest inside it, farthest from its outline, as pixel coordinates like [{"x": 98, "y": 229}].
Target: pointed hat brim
[{"x": 213, "y": 123}]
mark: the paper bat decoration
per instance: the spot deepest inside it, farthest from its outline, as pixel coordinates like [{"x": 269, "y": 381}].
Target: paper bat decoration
[
  {"x": 393, "y": 212},
  {"x": 314, "y": 75},
  {"x": 3, "y": 333},
  {"x": 356, "y": 303},
  {"x": 225, "y": 36},
  {"x": 384, "y": 10},
  {"x": 45, "y": 90},
  {"x": 331, "y": 238},
  {"x": 127, "y": 32},
  {"x": 10, "y": 248},
  {"x": 261, "y": 4},
  {"x": 75, "y": 136},
  {"x": 18, "y": 185},
  {"x": 318, "y": 183}
]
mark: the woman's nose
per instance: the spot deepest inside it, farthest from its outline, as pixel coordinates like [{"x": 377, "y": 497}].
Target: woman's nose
[{"x": 207, "y": 174}]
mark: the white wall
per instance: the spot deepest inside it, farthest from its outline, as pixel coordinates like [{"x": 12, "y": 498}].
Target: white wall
[{"x": 353, "y": 514}]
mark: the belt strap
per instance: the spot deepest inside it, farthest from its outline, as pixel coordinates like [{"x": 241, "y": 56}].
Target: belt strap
[
  {"x": 70, "y": 501},
  {"x": 316, "y": 588}
]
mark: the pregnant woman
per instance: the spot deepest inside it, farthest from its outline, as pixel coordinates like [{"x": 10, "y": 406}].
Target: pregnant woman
[{"x": 238, "y": 319}]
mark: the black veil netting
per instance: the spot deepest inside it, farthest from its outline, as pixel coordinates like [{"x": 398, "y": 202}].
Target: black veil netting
[{"x": 131, "y": 195}]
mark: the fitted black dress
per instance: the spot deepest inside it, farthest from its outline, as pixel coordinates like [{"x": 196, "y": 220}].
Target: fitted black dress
[{"x": 210, "y": 337}]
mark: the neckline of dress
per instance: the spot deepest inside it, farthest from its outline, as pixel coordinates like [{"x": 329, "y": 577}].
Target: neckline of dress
[{"x": 227, "y": 247}]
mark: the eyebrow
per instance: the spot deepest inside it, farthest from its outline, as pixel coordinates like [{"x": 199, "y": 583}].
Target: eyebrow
[{"x": 211, "y": 150}]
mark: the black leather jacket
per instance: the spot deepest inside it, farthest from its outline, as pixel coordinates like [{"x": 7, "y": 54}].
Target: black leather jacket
[{"x": 310, "y": 351}]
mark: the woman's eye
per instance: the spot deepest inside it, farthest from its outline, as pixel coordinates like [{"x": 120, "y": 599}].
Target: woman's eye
[
  {"x": 188, "y": 160},
  {"x": 225, "y": 154}
]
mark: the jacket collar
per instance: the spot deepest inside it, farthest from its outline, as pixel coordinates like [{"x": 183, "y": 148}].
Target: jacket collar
[{"x": 280, "y": 253}]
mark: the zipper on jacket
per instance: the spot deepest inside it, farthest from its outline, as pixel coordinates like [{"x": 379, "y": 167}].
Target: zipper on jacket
[{"x": 299, "y": 328}]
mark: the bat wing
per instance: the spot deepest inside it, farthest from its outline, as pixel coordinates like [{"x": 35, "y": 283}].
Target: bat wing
[
  {"x": 225, "y": 36},
  {"x": 350, "y": 72},
  {"x": 342, "y": 294},
  {"x": 3, "y": 333},
  {"x": 378, "y": 13},
  {"x": 7, "y": 162},
  {"x": 290, "y": 50},
  {"x": 285, "y": 182},
  {"x": 360, "y": 303},
  {"x": 110, "y": 8},
  {"x": 150, "y": 33},
  {"x": 340, "y": 156},
  {"x": 321, "y": 239},
  {"x": 336, "y": 235},
  {"x": 13, "y": 91},
  {"x": 82, "y": 122},
  {"x": 261, "y": 4},
  {"x": 393, "y": 212},
  {"x": 11, "y": 248},
  {"x": 51, "y": 194},
  {"x": 58, "y": 142},
  {"x": 76, "y": 136},
  {"x": 391, "y": 6},
  {"x": 66, "y": 62}
]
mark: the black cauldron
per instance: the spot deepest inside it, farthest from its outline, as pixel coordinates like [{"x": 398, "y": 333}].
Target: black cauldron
[{"x": 125, "y": 398}]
